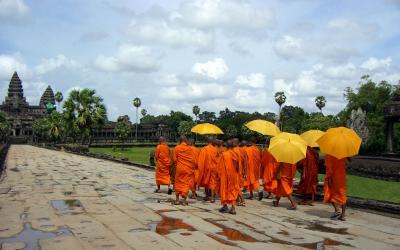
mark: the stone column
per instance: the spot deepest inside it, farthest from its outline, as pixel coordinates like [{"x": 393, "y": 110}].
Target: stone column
[{"x": 389, "y": 136}]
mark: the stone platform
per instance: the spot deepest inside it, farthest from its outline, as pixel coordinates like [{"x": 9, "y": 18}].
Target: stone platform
[{"x": 56, "y": 200}]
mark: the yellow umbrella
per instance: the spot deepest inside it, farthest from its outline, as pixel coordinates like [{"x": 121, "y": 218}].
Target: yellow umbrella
[
  {"x": 206, "y": 129},
  {"x": 340, "y": 142},
  {"x": 288, "y": 148},
  {"x": 263, "y": 127},
  {"x": 311, "y": 137}
]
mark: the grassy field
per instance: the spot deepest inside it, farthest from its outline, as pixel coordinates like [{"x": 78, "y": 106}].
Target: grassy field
[{"x": 356, "y": 186}]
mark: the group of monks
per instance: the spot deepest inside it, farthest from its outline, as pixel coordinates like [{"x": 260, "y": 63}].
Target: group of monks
[{"x": 229, "y": 169}]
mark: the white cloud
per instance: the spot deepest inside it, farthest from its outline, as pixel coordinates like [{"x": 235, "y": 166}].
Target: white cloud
[
  {"x": 215, "y": 68},
  {"x": 373, "y": 63},
  {"x": 11, "y": 63},
  {"x": 245, "y": 98},
  {"x": 194, "y": 91},
  {"x": 288, "y": 47},
  {"x": 170, "y": 34},
  {"x": 225, "y": 14},
  {"x": 12, "y": 9},
  {"x": 351, "y": 30},
  {"x": 283, "y": 85},
  {"x": 168, "y": 80},
  {"x": 254, "y": 80},
  {"x": 50, "y": 64},
  {"x": 343, "y": 71},
  {"x": 129, "y": 58}
]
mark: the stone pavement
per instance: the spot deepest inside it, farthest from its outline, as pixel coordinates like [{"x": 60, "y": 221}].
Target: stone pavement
[{"x": 56, "y": 200}]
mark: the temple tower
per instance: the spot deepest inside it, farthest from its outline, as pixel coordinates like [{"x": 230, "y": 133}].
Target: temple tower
[{"x": 47, "y": 97}]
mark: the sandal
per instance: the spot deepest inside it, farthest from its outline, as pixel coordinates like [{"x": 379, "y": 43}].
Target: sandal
[
  {"x": 335, "y": 215},
  {"x": 275, "y": 203},
  {"x": 292, "y": 208}
]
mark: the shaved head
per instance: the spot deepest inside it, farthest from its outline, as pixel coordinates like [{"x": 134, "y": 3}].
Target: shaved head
[
  {"x": 191, "y": 142},
  {"x": 161, "y": 139},
  {"x": 235, "y": 142},
  {"x": 183, "y": 139}
]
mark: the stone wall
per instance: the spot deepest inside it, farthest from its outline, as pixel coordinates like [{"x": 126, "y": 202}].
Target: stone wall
[{"x": 3, "y": 155}]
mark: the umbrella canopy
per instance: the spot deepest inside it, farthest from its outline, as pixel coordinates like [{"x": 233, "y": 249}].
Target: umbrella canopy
[
  {"x": 288, "y": 148},
  {"x": 263, "y": 127},
  {"x": 206, "y": 129},
  {"x": 311, "y": 137},
  {"x": 340, "y": 142}
]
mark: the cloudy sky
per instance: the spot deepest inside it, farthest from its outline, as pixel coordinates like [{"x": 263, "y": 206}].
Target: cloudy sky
[{"x": 211, "y": 53}]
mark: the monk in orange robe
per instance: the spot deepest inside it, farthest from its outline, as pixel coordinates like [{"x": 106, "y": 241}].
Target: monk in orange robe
[
  {"x": 253, "y": 155},
  {"x": 228, "y": 171},
  {"x": 269, "y": 167},
  {"x": 242, "y": 169},
  {"x": 335, "y": 185},
  {"x": 213, "y": 184},
  {"x": 285, "y": 175},
  {"x": 309, "y": 175},
  {"x": 185, "y": 161},
  {"x": 196, "y": 170},
  {"x": 206, "y": 162},
  {"x": 163, "y": 158}
]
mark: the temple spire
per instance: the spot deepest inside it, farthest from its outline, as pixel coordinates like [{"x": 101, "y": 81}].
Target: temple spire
[
  {"x": 15, "y": 87},
  {"x": 47, "y": 97}
]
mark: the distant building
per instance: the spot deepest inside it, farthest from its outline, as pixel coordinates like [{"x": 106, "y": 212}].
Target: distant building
[{"x": 20, "y": 114}]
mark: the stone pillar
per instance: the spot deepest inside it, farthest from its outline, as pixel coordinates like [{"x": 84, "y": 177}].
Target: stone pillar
[{"x": 389, "y": 136}]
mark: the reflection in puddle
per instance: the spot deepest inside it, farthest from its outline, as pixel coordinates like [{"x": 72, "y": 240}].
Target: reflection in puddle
[
  {"x": 222, "y": 241},
  {"x": 233, "y": 234},
  {"x": 322, "y": 228},
  {"x": 168, "y": 224},
  {"x": 65, "y": 205},
  {"x": 31, "y": 236}
]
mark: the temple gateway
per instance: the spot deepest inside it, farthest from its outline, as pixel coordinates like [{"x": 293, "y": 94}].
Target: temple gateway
[{"x": 21, "y": 116}]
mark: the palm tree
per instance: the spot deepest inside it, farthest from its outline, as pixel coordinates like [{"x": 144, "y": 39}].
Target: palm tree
[
  {"x": 85, "y": 111},
  {"x": 137, "y": 102},
  {"x": 320, "y": 102},
  {"x": 280, "y": 99},
  {"x": 59, "y": 97},
  {"x": 196, "y": 111},
  {"x": 143, "y": 112}
]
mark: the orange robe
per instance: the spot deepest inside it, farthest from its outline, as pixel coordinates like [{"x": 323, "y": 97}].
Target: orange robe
[
  {"x": 206, "y": 163},
  {"x": 253, "y": 155},
  {"x": 241, "y": 159},
  {"x": 196, "y": 152},
  {"x": 214, "y": 178},
  {"x": 285, "y": 183},
  {"x": 268, "y": 171},
  {"x": 336, "y": 171},
  {"x": 184, "y": 159},
  {"x": 163, "y": 159},
  {"x": 228, "y": 167},
  {"x": 309, "y": 182}
]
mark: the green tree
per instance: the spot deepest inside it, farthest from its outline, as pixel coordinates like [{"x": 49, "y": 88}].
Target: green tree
[
  {"x": 207, "y": 116},
  {"x": 196, "y": 111},
  {"x": 318, "y": 121},
  {"x": 59, "y": 98},
  {"x": 231, "y": 131},
  {"x": 280, "y": 99},
  {"x": 371, "y": 97},
  {"x": 320, "y": 102},
  {"x": 143, "y": 112},
  {"x": 123, "y": 128},
  {"x": 5, "y": 128},
  {"x": 41, "y": 129},
  {"x": 185, "y": 127},
  {"x": 56, "y": 125},
  {"x": 136, "y": 103},
  {"x": 85, "y": 111},
  {"x": 293, "y": 118}
]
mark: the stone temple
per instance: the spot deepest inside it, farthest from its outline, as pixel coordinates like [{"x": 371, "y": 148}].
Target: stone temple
[{"x": 20, "y": 114}]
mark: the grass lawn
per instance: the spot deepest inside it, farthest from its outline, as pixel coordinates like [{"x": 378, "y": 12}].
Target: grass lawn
[
  {"x": 134, "y": 154},
  {"x": 356, "y": 186}
]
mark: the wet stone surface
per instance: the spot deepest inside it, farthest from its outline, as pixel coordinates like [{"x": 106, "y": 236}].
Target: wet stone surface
[{"x": 56, "y": 200}]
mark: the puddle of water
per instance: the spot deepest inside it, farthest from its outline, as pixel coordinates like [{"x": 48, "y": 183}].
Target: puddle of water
[
  {"x": 233, "y": 234},
  {"x": 31, "y": 236},
  {"x": 65, "y": 205},
  {"x": 220, "y": 240},
  {"x": 168, "y": 224},
  {"x": 322, "y": 228},
  {"x": 123, "y": 186}
]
